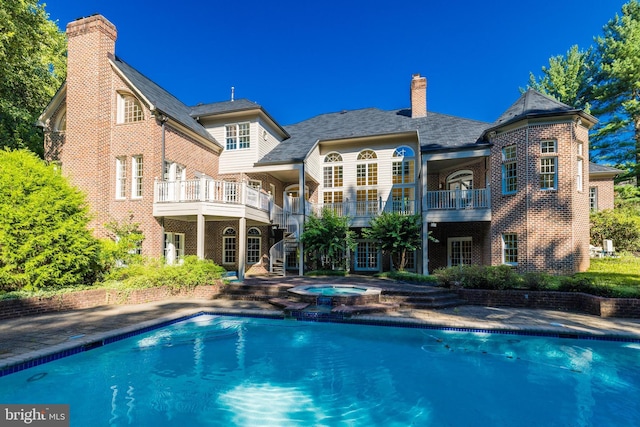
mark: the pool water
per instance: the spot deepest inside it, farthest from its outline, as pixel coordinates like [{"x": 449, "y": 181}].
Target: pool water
[
  {"x": 334, "y": 290},
  {"x": 224, "y": 371}
]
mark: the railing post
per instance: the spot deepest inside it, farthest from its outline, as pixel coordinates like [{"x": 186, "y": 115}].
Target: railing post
[{"x": 202, "y": 190}]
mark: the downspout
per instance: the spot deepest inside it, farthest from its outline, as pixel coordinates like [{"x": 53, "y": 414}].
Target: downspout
[
  {"x": 304, "y": 217},
  {"x": 163, "y": 120}
]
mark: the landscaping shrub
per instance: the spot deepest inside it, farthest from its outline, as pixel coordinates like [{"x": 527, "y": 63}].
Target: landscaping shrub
[
  {"x": 44, "y": 239},
  {"x": 153, "y": 273},
  {"x": 622, "y": 226}
]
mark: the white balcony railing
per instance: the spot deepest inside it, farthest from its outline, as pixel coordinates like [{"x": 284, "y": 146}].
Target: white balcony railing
[
  {"x": 210, "y": 190},
  {"x": 367, "y": 209},
  {"x": 458, "y": 199}
]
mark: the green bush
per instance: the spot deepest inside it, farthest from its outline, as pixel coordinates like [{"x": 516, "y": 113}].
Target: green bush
[
  {"x": 44, "y": 238},
  {"x": 153, "y": 273},
  {"x": 622, "y": 226}
]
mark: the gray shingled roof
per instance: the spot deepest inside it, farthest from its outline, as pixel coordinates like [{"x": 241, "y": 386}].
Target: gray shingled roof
[
  {"x": 533, "y": 103},
  {"x": 436, "y": 131},
  {"x": 162, "y": 100},
  {"x": 595, "y": 168},
  {"x": 223, "y": 107}
]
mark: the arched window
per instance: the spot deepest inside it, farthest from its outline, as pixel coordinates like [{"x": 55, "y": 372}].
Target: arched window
[
  {"x": 403, "y": 177},
  {"x": 230, "y": 245},
  {"x": 254, "y": 245},
  {"x": 460, "y": 180},
  {"x": 366, "y": 183},
  {"x": 129, "y": 109},
  {"x": 333, "y": 179}
]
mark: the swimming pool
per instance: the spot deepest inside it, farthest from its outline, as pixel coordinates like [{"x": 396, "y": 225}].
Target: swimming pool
[{"x": 221, "y": 371}]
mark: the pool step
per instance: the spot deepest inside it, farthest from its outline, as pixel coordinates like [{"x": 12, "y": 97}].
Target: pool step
[
  {"x": 253, "y": 292},
  {"x": 427, "y": 299}
]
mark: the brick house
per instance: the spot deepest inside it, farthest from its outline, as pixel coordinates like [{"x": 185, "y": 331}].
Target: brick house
[{"x": 225, "y": 181}]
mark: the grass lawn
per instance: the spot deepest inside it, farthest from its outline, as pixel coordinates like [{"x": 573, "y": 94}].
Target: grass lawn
[{"x": 620, "y": 275}]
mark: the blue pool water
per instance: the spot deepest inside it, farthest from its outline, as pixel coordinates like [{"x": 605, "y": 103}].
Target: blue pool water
[{"x": 225, "y": 371}]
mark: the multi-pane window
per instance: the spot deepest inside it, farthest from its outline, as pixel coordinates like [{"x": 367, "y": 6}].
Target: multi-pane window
[
  {"x": 255, "y": 184},
  {"x": 548, "y": 173},
  {"x": 333, "y": 179},
  {"x": 509, "y": 170},
  {"x": 403, "y": 172},
  {"x": 229, "y": 243},
  {"x": 366, "y": 202},
  {"x": 510, "y": 248},
  {"x": 129, "y": 109},
  {"x": 548, "y": 165},
  {"x": 580, "y": 171},
  {"x": 136, "y": 176},
  {"x": 366, "y": 256},
  {"x": 238, "y": 136},
  {"x": 254, "y": 241},
  {"x": 403, "y": 200},
  {"x": 121, "y": 177},
  {"x": 593, "y": 198},
  {"x": 459, "y": 251},
  {"x": 174, "y": 248}
]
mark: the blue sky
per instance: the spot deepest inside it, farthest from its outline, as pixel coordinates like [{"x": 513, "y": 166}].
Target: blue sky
[{"x": 300, "y": 58}]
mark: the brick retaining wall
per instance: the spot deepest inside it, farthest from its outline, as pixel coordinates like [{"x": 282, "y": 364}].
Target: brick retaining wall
[
  {"x": 564, "y": 301},
  {"x": 98, "y": 297}
]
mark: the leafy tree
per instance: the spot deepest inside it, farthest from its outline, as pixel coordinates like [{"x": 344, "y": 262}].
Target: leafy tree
[
  {"x": 44, "y": 239},
  {"x": 122, "y": 248},
  {"x": 396, "y": 234},
  {"x": 329, "y": 238},
  {"x": 617, "y": 89},
  {"x": 622, "y": 226},
  {"x": 567, "y": 78},
  {"x": 32, "y": 68}
]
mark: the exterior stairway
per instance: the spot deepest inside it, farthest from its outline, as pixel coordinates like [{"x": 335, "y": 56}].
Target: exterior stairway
[{"x": 429, "y": 298}]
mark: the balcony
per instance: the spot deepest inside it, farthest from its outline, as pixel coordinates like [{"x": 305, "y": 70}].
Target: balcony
[
  {"x": 458, "y": 205},
  {"x": 213, "y": 198}
]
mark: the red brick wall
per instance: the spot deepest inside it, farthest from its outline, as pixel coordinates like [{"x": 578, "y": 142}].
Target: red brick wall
[
  {"x": 552, "y": 225},
  {"x": 98, "y": 297},
  {"x": 93, "y": 139},
  {"x": 478, "y": 231},
  {"x": 605, "y": 192}
]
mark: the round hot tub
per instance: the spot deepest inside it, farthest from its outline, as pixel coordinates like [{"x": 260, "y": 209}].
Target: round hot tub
[{"x": 336, "y": 294}]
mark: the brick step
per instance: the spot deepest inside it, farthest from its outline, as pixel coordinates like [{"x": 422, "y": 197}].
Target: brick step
[
  {"x": 253, "y": 292},
  {"x": 350, "y": 310},
  {"x": 427, "y": 291},
  {"x": 434, "y": 304}
]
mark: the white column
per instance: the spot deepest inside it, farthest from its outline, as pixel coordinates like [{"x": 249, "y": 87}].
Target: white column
[
  {"x": 200, "y": 236},
  {"x": 301, "y": 191},
  {"x": 425, "y": 224},
  {"x": 242, "y": 246}
]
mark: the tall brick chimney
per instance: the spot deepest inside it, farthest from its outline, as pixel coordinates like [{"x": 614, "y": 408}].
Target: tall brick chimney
[
  {"x": 418, "y": 96},
  {"x": 86, "y": 154}
]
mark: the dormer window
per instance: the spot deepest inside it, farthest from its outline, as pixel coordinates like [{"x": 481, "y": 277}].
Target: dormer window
[
  {"x": 238, "y": 136},
  {"x": 129, "y": 109}
]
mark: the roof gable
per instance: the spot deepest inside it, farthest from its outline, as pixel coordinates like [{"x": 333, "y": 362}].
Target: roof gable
[{"x": 161, "y": 100}]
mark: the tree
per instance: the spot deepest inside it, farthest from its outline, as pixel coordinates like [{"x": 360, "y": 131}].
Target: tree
[
  {"x": 44, "y": 239},
  {"x": 568, "y": 78},
  {"x": 617, "y": 89},
  {"x": 329, "y": 238},
  {"x": 396, "y": 234},
  {"x": 32, "y": 68}
]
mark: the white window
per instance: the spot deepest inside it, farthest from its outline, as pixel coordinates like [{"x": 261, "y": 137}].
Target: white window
[
  {"x": 254, "y": 245},
  {"x": 121, "y": 177},
  {"x": 579, "y": 177},
  {"x": 593, "y": 198},
  {"x": 230, "y": 246},
  {"x": 549, "y": 173},
  {"x": 255, "y": 184},
  {"x": 367, "y": 176},
  {"x": 509, "y": 170},
  {"x": 510, "y": 248},
  {"x": 174, "y": 248},
  {"x": 459, "y": 251},
  {"x": 366, "y": 256},
  {"x": 136, "y": 177},
  {"x": 403, "y": 167},
  {"x": 333, "y": 182},
  {"x": 580, "y": 171},
  {"x": 238, "y": 136},
  {"x": 129, "y": 109}
]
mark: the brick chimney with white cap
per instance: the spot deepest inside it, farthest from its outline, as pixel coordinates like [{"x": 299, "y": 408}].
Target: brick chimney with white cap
[{"x": 418, "y": 96}]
